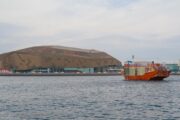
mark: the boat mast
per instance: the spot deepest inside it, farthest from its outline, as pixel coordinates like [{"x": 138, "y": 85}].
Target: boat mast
[{"x": 133, "y": 57}]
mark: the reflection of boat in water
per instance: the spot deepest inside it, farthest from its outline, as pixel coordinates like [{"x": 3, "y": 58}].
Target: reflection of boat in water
[{"x": 145, "y": 71}]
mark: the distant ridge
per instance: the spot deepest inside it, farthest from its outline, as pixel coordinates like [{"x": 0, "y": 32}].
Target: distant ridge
[
  {"x": 75, "y": 49},
  {"x": 56, "y": 56}
]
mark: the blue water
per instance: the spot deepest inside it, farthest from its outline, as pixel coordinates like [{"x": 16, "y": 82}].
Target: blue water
[{"x": 88, "y": 98}]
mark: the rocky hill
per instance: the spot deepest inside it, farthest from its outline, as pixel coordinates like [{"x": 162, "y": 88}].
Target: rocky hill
[{"x": 55, "y": 56}]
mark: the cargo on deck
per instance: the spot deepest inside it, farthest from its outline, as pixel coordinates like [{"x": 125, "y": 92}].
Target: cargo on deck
[{"x": 145, "y": 71}]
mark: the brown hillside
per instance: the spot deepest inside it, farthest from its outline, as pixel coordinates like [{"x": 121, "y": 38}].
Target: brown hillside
[{"x": 55, "y": 56}]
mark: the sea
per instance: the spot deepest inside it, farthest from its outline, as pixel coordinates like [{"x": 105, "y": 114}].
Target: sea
[{"x": 88, "y": 98}]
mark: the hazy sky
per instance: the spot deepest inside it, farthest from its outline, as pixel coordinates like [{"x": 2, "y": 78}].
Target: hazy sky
[{"x": 149, "y": 29}]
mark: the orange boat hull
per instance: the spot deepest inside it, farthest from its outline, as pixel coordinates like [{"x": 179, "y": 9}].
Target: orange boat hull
[{"x": 154, "y": 75}]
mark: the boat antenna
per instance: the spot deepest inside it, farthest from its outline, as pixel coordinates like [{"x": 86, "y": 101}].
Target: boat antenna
[{"x": 133, "y": 57}]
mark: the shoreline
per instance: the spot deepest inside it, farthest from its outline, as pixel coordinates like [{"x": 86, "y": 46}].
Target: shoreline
[
  {"x": 61, "y": 74},
  {"x": 66, "y": 74},
  {"x": 175, "y": 74}
]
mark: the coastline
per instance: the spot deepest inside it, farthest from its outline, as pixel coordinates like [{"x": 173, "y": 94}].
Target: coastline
[
  {"x": 175, "y": 74},
  {"x": 61, "y": 74},
  {"x": 66, "y": 74}
]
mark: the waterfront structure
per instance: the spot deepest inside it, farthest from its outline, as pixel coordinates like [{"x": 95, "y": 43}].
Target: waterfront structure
[
  {"x": 174, "y": 68},
  {"x": 145, "y": 71},
  {"x": 58, "y": 59},
  {"x": 5, "y": 71}
]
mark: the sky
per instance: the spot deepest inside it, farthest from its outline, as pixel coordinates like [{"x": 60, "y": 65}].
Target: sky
[{"x": 147, "y": 29}]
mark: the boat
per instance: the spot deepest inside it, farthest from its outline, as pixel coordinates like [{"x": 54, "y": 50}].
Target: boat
[{"x": 145, "y": 71}]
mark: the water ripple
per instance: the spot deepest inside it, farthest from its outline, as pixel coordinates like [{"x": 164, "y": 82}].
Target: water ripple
[{"x": 88, "y": 98}]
